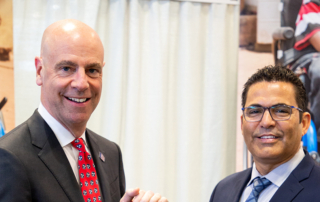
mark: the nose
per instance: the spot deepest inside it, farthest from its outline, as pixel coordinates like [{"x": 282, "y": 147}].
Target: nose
[
  {"x": 267, "y": 121},
  {"x": 80, "y": 80}
]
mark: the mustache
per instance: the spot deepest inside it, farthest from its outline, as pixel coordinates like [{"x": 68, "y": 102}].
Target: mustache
[{"x": 275, "y": 133}]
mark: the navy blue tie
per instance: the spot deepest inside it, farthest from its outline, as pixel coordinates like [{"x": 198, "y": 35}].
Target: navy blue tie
[{"x": 259, "y": 184}]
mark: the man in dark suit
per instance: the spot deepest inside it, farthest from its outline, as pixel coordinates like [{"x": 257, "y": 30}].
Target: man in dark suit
[
  {"x": 53, "y": 156},
  {"x": 273, "y": 122}
]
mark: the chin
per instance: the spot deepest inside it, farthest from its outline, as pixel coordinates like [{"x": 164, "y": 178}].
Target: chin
[
  {"x": 268, "y": 157},
  {"x": 79, "y": 119},
  {"x": 268, "y": 153}
]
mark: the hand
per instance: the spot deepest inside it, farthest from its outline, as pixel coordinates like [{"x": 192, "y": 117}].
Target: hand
[{"x": 137, "y": 195}]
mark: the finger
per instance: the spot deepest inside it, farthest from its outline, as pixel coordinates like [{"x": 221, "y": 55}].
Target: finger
[
  {"x": 139, "y": 197},
  {"x": 156, "y": 197},
  {"x": 163, "y": 199},
  {"x": 129, "y": 195},
  {"x": 147, "y": 196}
]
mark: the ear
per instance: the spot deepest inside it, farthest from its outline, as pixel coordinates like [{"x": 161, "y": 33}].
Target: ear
[
  {"x": 39, "y": 69},
  {"x": 305, "y": 122}
]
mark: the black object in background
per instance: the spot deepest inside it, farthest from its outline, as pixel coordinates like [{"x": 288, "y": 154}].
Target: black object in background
[{"x": 3, "y": 102}]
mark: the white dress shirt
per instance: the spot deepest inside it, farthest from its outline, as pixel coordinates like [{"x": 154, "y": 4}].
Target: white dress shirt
[
  {"x": 277, "y": 176},
  {"x": 65, "y": 138}
]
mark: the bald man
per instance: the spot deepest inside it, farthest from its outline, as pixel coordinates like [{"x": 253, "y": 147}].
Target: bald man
[{"x": 53, "y": 156}]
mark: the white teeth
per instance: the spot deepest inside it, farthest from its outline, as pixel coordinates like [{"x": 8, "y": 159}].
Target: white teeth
[
  {"x": 268, "y": 137},
  {"x": 78, "y": 100}
]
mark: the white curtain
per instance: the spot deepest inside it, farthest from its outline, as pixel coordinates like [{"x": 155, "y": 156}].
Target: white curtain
[{"x": 169, "y": 86}]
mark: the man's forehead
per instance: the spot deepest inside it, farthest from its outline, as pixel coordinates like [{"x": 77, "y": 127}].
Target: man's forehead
[
  {"x": 74, "y": 48},
  {"x": 68, "y": 33},
  {"x": 271, "y": 93}
]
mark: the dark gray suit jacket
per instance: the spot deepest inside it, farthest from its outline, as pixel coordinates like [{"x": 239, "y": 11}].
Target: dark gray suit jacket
[
  {"x": 34, "y": 167},
  {"x": 302, "y": 185}
]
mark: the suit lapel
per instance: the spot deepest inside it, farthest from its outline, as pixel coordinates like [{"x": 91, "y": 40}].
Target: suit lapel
[
  {"x": 53, "y": 156},
  {"x": 239, "y": 185},
  {"x": 291, "y": 186},
  {"x": 103, "y": 170}
]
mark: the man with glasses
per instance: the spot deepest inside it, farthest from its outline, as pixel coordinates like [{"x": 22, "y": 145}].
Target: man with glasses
[{"x": 273, "y": 122}]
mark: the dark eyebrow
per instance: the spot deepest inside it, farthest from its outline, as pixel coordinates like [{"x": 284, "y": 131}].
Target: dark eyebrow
[
  {"x": 91, "y": 65},
  {"x": 66, "y": 63},
  {"x": 258, "y": 105},
  {"x": 279, "y": 104}
]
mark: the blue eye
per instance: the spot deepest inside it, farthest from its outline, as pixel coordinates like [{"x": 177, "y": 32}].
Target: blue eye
[
  {"x": 66, "y": 69},
  {"x": 94, "y": 73}
]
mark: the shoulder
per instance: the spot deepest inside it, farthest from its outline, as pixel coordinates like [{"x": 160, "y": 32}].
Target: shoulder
[
  {"x": 16, "y": 138},
  {"x": 231, "y": 179},
  {"x": 307, "y": 173},
  {"x": 20, "y": 136},
  {"x": 234, "y": 184},
  {"x": 303, "y": 182},
  {"x": 311, "y": 170},
  {"x": 316, "y": 172},
  {"x": 13, "y": 146},
  {"x": 16, "y": 147}
]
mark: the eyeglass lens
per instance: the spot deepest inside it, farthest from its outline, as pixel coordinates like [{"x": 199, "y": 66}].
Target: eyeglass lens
[{"x": 281, "y": 112}]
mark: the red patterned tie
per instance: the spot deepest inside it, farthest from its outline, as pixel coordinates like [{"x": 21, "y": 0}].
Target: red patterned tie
[{"x": 87, "y": 173}]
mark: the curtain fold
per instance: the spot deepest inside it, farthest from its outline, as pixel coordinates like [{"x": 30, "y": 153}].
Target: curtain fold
[{"x": 169, "y": 86}]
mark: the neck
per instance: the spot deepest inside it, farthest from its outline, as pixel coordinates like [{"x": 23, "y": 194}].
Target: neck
[
  {"x": 264, "y": 169},
  {"x": 76, "y": 131},
  {"x": 266, "y": 166}
]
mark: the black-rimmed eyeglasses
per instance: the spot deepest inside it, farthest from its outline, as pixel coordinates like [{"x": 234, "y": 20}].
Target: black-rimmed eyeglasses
[{"x": 277, "y": 112}]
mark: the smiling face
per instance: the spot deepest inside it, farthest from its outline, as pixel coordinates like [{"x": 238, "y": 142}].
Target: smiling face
[
  {"x": 69, "y": 72},
  {"x": 273, "y": 142}
]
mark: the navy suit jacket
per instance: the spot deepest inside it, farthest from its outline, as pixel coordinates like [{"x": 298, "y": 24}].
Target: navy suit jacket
[
  {"x": 34, "y": 167},
  {"x": 302, "y": 185}
]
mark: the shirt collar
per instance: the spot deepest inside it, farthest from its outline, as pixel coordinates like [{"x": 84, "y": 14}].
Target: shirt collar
[
  {"x": 63, "y": 135},
  {"x": 278, "y": 175}
]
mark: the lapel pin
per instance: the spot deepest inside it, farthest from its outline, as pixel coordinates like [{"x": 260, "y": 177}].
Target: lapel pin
[{"x": 102, "y": 157}]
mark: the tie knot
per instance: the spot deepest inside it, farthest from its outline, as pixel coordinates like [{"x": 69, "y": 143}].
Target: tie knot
[
  {"x": 261, "y": 183},
  {"x": 79, "y": 144}
]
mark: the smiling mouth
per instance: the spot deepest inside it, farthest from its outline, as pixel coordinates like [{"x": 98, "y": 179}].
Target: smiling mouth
[
  {"x": 78, "y": 100},
  {"x": 268, "y": 137}
]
